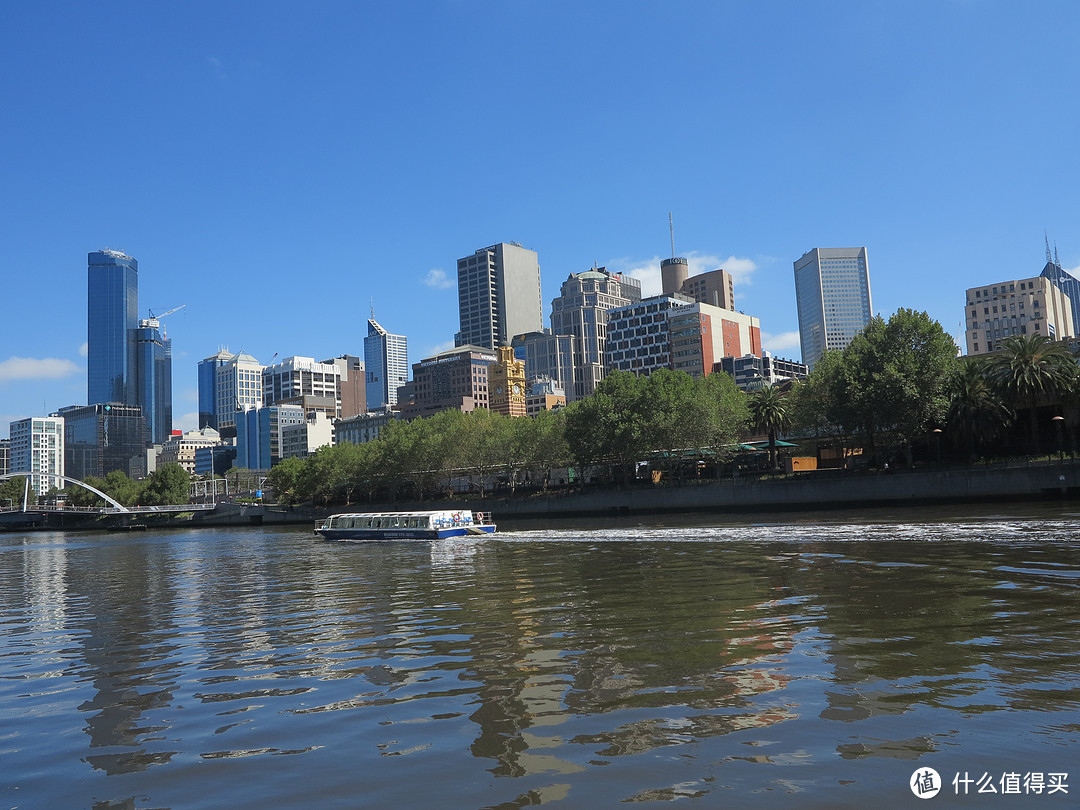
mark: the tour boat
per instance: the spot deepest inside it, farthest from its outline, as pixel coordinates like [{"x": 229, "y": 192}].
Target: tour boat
[{"x": 434, "y": 525}]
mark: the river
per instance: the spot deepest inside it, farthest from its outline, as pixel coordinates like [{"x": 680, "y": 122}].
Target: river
[{"x": 821, "y": 660}]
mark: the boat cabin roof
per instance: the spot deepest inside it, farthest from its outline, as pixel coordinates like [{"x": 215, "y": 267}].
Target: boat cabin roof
[{"x": 426, "y": 513}]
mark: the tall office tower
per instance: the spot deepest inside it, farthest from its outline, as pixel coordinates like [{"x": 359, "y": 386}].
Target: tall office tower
[
  {"x": 1064, "y": 281},
  {"x": 99, "y": 439},
  {"x": 351, "y": 374},
  {"x": 386, "y": 366},
  {"x": 5, "y": 456},
  {"x": 1028, "y": 306},
  {"x": 832, "y": 290},
  {"x": 581, "y": 310},
  {"x": 315, "y": 387},
  {"x": 498, "y": 295},
  {"x": 153, "y": 379},
  {"x": 37, "y": 449},
  {"x": 112, "y": 304},
  {"x": 208, "y": 367},
  {"x": 228, "y": 383}
]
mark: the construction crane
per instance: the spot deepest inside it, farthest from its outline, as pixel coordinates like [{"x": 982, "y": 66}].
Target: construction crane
[
  {"x": 163, "y": 314},
  {"x": 154, "y": 321}
]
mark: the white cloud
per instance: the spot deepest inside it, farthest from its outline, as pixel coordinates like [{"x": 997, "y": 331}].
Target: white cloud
[
  {"x": 84, "y": 350},
  {"x": 647, "y": 271},
  {"x": 30, "y": 368},
  {"x": 438, "y": 279},
  {"x": 439, "y": 349},
  {"x": 780, "y": 343},
  {"x": 187, "y": 422}
]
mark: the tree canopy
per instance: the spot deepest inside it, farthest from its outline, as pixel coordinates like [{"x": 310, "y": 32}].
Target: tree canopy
[{"x": 891, "y": 380}]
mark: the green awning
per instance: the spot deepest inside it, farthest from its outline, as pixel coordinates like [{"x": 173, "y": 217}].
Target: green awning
[{"x": 765, "y": 445}]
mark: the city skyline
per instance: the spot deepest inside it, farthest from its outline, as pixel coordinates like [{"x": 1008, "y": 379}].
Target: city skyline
[{"x": 262, "y": 166}]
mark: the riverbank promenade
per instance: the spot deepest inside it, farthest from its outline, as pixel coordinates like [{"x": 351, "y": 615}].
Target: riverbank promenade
[{"x": 1007, "y": 482}]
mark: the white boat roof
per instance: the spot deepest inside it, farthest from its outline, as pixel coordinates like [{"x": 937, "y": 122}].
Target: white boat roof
[{"x": 400, "y": 514}]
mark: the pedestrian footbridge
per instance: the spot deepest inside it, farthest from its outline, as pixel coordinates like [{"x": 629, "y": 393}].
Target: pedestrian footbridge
[{"x": 114, "y": 507}]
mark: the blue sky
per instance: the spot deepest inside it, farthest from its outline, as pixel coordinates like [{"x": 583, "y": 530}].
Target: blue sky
[{"x": 277, "y": 166}]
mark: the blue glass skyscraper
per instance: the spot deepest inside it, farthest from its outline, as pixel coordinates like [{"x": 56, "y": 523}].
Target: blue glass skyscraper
[
  {"x": 153, "y": 379},
  {"x": 832, "y": 293},
  {"x": 111, "y": 319},
  {"x": 1065, "y": 282}
]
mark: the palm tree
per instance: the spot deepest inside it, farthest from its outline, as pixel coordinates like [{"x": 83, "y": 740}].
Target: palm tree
[
  {"x": 1031, "y": 371},
  {"x": 976, "y": 410},
  {"x": 769, "y": 413}
]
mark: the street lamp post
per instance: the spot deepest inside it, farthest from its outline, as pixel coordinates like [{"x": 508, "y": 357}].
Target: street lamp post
[
  {"x": 937, "y": 444},
  {"x": 1059, "y": 420}
]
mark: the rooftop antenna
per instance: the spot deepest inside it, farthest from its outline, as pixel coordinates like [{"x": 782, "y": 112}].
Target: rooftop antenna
[
  {"x": 671, "y": 227},
  {"x": 1048, "y": 257},
  {"x": 373, "y": 307}
]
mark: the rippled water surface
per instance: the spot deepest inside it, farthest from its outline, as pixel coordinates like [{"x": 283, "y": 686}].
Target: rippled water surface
[{"x": 811, "y": 663}]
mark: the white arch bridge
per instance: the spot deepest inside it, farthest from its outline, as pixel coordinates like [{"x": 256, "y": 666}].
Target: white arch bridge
[{"x": 114, "y": 507}]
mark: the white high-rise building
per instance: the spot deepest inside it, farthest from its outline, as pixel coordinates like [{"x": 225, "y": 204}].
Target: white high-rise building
[
  {"x": 315, "y": 387},
  {"x": 498, "y": 295},
  {"x": 832, "y": 289},
  {"x": 386, "y": 364},
  {"x": 37, "y": 448},
  {"x": 228, "y": 383}
]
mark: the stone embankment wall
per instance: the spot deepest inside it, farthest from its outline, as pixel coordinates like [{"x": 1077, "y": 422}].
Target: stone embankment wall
[{"x": 812, "y": 491}]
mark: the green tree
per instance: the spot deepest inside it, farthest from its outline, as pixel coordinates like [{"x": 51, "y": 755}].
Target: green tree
[
  {"x": 819, "y": 404},
  {"x": 1032, "y": 370},
  {"x": 977, "y": 412},
  {"x": 12, "y": 489},
  {"x": 117, "y": 485},
  {"x": 547, "y": 446},
  {"x": 482, "y": 433},
  {"x": 720, "y": 415},
  {"x": 167, "y": 485},
  {"x": 284, "y": 480},
  {"x": 894, "y": 378},
  {"x": 609, "y": 426},
  {"x": 629, "y": 419},
  {"x": 769, "y": 414}
]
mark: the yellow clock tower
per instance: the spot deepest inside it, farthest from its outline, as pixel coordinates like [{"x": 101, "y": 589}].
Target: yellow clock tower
[{"x": 506, "y": 384}]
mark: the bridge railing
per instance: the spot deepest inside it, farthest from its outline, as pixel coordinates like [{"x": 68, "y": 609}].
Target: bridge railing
[{"x": 112, "y": 510}]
